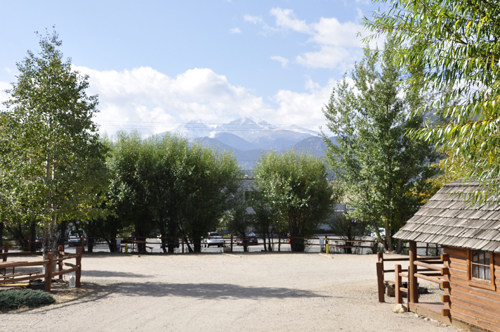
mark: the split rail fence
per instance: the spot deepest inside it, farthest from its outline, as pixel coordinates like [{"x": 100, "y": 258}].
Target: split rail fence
[
  {"x": 430, "y": 268},
  {"x": 13, "y": 278}
]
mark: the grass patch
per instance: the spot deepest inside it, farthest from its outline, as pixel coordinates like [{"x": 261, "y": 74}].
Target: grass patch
[{"x": 17, "y": 298}]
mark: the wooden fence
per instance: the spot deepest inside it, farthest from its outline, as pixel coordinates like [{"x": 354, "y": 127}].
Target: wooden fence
[
  {"x": 14, "y": 277},
  {"x": 424, "y": 261}
]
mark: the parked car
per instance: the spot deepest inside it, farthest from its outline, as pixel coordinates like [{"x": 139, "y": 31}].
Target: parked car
[
  {"x": 250, "y": 238},
  {"x": 73, "y": 240},
  {"x": 214, "y": 239}
]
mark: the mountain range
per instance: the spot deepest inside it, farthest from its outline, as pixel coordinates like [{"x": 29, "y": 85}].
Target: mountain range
[{"x": 248, "y": 138}]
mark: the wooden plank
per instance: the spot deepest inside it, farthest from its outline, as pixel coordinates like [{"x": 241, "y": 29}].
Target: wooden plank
[
  {"x": 380, "y": 281},
  {"x": 19, "y": 264},
  {"x": 455, "y": 251},
  {"x": 429, "y": 266},
  {"x": 475, "y": 313},
  {"x": 458, "y": 273},
  {"x": 458, "y": 259},
  {"x": 475, "y": 306},
  {"x": 18, "y": 274},
  {"x": 474, "y": 291},
  {"x": 456, "y": 294},
  {"x": 457, "y": 266},
  {"x": 6, "y": 281},
  {"x": 474, "y": 321}
]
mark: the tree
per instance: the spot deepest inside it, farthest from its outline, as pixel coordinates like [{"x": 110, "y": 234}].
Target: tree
[
  {"x": 455, "y": 43},
  {"x": 382, "y": 170},
  {"x": 208, "y": 188},
  {"x": 53, "y": 164},
  {"x": 295, "y": 186}
]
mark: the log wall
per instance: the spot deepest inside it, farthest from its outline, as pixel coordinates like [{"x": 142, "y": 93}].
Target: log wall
[{"x": 471, "y": 304}]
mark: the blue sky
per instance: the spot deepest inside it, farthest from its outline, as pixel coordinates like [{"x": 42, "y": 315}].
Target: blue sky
[{"x": 158, "y": 64}]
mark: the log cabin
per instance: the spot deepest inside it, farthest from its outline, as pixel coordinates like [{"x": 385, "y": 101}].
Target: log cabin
[{"x": 470, "y": 237}]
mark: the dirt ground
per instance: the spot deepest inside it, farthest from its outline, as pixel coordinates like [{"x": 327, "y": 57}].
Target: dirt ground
[{"x": 223, "y": 292}]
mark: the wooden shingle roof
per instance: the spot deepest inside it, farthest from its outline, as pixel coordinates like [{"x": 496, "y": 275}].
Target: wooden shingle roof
[{"x": 448, "y": 219}]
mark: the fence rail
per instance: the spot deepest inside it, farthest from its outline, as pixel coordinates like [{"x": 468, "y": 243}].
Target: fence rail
[{"x": 48, "y": 263}]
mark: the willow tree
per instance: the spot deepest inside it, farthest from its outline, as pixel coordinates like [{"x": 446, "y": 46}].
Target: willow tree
[
  {"x": 456, "y": 44},
  {"x": 53, "y": 162},
  {"x": 384, "y": 171},
  {"x": 295, "y": 188}
]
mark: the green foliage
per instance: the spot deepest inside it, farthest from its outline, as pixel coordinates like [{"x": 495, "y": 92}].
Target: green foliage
[
  {"x": 14, "y": 299},
  {"x": 295, "y": 188},
  {"x": 453, "y": 44},
  {"x": 383, "y": 171},
  {"x": 162, "y": 183},
  {"x": 52, "y": 167}
]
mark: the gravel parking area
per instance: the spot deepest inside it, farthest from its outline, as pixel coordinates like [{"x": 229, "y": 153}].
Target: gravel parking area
[{"x": 224, "y": 292}]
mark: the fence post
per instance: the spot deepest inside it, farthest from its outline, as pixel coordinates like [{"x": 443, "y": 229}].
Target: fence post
[
  {"x": 5, "y": 250},
  {"x": 182, "y": 243},
  {"x": 279, "y": 242},
  {"x": 380, "y": 281},
  {"x": 60, "y": 250},
  {"x": 231, "y": 242},
  {"x": 79, "y": 252},
  {"x": 412, "y": 269},
  {"x": 48, "y": 272},
  {"x": 83, "y": 241},
  {"x": 397, "y": 281}
]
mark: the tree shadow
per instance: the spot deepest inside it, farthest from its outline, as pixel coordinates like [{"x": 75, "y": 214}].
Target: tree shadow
[
  {"x": 207, "y": 291},
  {"x": 110, "y": 274}
]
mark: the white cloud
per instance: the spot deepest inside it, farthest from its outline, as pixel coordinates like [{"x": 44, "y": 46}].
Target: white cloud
[
  {"x": 7, "y": 69},
  {"x": 284, "y": 61},
  {"x": 286, "y": 19},
  {"x": 335, "y": 44},
  {"x": 326, "y": 57},
  {"x": 253, "y": 19},
  {"x": 235, "y": 30},
  {"x": 145, "y": 99},
  {"x": 152, "y": 102},
  {"x": 304, "y": 108}
]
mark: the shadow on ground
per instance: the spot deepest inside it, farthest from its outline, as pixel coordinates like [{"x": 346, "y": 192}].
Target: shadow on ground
[
  {"x": 110, "y": 274},
  {"x": 207, "y": 291}
]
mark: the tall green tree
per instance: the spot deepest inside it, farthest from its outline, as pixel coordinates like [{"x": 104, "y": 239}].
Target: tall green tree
[
  {"x": 295, "y": 187},
  {"x": 455, "y": 43},
  {"x": 209, "y": 188},
  {"x": 382, "y": 170},
  {"x": 53, "y": 162}
]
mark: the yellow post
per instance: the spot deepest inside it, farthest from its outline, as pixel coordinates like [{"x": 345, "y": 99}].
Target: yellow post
[
  {"x": 327, "y": 246},
  {"x": 126, "y": 247}
]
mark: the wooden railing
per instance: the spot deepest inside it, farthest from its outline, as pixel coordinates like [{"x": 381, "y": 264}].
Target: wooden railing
[
  {"x": 49, "y": 266},
  {"x": 439, "y": 274}
]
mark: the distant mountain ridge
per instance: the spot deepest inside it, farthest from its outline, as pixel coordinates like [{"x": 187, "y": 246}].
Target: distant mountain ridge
[{"x": 248, "y": 138}]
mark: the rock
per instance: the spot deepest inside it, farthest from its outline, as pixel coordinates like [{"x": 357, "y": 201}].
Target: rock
[{"x": 400, "y": 309}]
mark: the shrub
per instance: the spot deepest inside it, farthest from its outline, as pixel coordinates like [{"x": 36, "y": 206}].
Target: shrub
[{"x": 13, "y": 299}]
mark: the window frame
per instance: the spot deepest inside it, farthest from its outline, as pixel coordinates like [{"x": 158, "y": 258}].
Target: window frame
[{"x": 481, "y": 283}]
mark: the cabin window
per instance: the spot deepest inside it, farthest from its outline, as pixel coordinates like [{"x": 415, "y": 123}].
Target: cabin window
[
  {"x": 480, "y": 265},
  {"x": 481, "y": 269}
]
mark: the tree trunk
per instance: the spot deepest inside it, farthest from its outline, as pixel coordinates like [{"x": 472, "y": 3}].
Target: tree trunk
[
  {"x": 32, "y": 245},
  {"x": 1, "y": 233}
]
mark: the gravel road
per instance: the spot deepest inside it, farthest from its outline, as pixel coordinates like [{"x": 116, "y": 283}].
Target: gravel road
[{"x": 223, "y": 292}]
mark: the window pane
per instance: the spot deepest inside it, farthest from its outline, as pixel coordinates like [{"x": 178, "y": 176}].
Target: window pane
[
  {"x": 475, "y": 271},
  {"x": 487, "y": 273},
  {"x": 481, "y": 272},
  {"x": 475, "y": 256},
  {"x": 481, "y": 257},
  {"x": 486, "y": 258}
]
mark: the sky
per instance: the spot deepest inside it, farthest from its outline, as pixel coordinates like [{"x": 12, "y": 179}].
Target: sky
[{"x": 156, "y": 65}]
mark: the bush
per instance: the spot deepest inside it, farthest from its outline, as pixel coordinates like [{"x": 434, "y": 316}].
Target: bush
[{"x": 13, "y": 299}]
